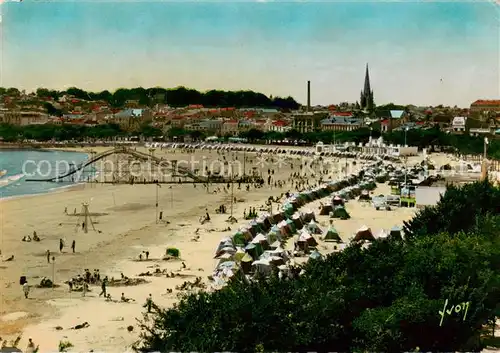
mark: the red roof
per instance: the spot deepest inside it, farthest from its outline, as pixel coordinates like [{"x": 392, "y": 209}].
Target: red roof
[
  {"x": 232, "y": 121},
  {"x": 348, "y": 114},
  {"x": 279, "y": 123},
  {"x": 76, "y": 121},
  {"x": 195, "y": 106},
  {"x": 486, "y": 102}
]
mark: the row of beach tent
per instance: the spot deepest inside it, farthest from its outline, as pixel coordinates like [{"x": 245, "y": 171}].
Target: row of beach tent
[
  {"x": 274, "y": 150},
  {"x": 257, "y": 248}
]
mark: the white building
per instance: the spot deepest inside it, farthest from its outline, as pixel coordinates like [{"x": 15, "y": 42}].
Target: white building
[{"x": 458, "y": 124}]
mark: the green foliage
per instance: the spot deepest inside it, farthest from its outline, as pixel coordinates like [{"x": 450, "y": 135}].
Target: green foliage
[
  {"x": 460, "y": 209},
  {"x": 383, "y": 298},
  {"x": 64, "y": 346},
  {"x": 177, "y": 97},
  {"x": 47, "y": 132},
  {"x": 173, "y": 252},
  {"x": 360, "y": 135}
]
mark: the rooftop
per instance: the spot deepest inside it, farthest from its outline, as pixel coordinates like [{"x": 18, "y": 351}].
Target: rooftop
[{"x": 487, "y": 102}]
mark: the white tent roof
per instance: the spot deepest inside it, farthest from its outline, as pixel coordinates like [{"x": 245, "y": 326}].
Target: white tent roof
[
  {"x": 382, "y": 234},
  {"x": 363, "y": 229},
  {"x": 258, "y": 238}
]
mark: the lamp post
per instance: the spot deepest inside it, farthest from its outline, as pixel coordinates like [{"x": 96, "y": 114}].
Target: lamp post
[
  {"x": 244, "y": 162},
  {"x": 171, "y": 197},
  {"x": 406, "y": 130},
  {"x": 152, "y": 155}
]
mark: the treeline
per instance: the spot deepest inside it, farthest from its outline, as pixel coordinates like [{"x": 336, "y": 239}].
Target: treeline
[
  {"x": 422, "y": 138},
  {"x": 49, "y": 132},
  {"x": 386, "y": 298},
  {"x": 175, "y": 97}
]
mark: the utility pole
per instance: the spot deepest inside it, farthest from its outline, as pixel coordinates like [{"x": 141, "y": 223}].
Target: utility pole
[{"x": 53, "y": 271}]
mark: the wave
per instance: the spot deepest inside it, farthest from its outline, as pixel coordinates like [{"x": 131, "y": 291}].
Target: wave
[{"x": 10, "y": 179}]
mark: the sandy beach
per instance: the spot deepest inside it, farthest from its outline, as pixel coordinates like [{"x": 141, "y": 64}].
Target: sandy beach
[{"x": 126, "y": 227}]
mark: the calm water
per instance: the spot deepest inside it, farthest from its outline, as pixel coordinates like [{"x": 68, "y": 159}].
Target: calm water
[{"x": 21, "y": 165}]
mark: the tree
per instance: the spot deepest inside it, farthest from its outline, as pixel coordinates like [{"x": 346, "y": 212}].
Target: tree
[
  {"x": 252, "y": 135},
  {"x": 197, "y": 135},
  {"x": 176, "y": 97},
  {"x": 177, "y": 132},
  {"x": 51, "y": 110}
]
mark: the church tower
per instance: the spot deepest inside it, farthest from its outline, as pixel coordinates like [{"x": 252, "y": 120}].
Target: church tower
[{"x": 366, "y": 100}]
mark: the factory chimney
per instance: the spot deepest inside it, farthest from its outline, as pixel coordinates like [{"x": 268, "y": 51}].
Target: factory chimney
[{"x": 308, "y": 95}]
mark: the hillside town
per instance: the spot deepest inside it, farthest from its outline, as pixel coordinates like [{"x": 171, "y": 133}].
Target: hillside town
[{"x": 21, "y": 108}]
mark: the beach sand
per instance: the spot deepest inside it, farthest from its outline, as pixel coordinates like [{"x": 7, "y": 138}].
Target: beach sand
[{"x": 127, "y": 228}]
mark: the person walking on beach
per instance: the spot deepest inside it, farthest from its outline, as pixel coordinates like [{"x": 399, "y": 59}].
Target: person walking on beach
[
  {"x": 149, "y": 303},
  {"x": 26, "y": 289},
  {"x": 84, "y": 288},
  {"x": 103, "y": 287},
  {"x": 48, "y": 256},
  {"x": 73, "y": 245},
  {"x": 61, "y": 245}
]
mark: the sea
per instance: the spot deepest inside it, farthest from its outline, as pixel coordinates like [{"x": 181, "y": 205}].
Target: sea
[{"x": 19, "y": 165}]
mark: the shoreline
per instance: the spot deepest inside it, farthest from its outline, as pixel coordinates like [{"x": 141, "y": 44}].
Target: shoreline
[
  {"x": 54, "y": 189},
  {"x": 47, "y": 192}
]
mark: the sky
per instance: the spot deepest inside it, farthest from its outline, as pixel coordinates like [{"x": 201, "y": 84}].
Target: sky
[{"x": 422, "y": 53}]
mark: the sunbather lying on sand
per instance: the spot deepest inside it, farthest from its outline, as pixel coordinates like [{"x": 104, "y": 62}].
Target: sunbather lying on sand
[
  {"x": 125, "y": 299},
  {"x": 80, "y": 326}
]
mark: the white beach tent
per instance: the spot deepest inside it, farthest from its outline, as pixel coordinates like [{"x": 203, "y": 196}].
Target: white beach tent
[{"x": 382, "y": 234}]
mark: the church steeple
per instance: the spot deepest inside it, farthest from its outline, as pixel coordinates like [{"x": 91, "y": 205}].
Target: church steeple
[
  {"x": 367, "y": 81},
  {"x": 366, "y": 100}
]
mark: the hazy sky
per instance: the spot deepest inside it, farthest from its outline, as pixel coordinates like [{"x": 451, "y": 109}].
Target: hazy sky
[{"x": 418, "y": 52}]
